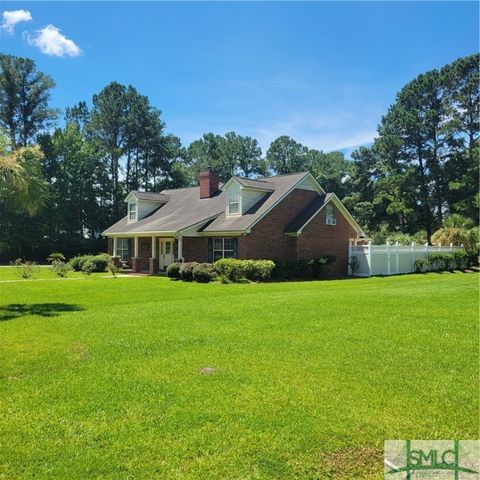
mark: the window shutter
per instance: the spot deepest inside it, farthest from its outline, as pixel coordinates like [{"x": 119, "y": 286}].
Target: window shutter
[
  {"x": 235, "y": 248},
  {"x": 210, "y": 250}
]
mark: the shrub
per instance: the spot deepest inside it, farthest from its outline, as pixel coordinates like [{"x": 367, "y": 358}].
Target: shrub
[
  {"x": 354, "y": 264},
  {"x": 88, "y": 268},
  {"x": 319, "y": 266},
  {"x": 100, "y": 262},
  {"x": 230, "y": 268},
  {"x": 173, "y": 270},
  {"x": 113, "y": 268},
  {"x": 78, "y": 261},
  {"x": 186, "y": 271},
  {"x": 437, "y": 262},
  {"x": 422, "y": 265},
  {"x": 303, "y": 268},
  {"x": 258, "y": 270},
  {"x": 56, "y": 256},
  {"x": 203, "y": 273},
  {"x": 61, "y": 268},
  {"x": 24, "y": 268},
  {"x": 460, "y": 259}
]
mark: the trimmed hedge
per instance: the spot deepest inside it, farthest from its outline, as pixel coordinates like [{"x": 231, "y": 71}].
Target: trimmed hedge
[
  {"x": 186, "y": 271},
  {"x": 173, "y": 270},
  {"x": 228, "y": 269},
  {"x": 440, "y": 262},
  {"x": 203, "y": 273},
  {"x": 99, "y": 262},
  {"x": 235, "y": 270},
  {"x": 313, "y": 268}
]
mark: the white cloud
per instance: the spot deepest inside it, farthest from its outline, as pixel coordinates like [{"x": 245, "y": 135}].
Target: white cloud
[
  {"x": 51, "y": 42},
  {"x": 11, "y": 18}
]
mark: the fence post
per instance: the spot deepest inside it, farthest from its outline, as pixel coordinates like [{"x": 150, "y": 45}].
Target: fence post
[
  {"x": 396, "y": 260},
  {"x": 369, "y": 257},
  {"x": 426, "y": 249},
  {"x": 350, "y": 257},
  {"x": 439, "y": 246},
  {"x": 451, "y": 247},
  {"x": 388, "y": 257}
]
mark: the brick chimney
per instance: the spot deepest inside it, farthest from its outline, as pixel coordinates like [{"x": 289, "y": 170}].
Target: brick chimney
[{"x": 209, "y": 180}]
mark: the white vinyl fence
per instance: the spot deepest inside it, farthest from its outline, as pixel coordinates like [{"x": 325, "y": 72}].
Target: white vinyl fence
[{"x": 390, "y": 259}]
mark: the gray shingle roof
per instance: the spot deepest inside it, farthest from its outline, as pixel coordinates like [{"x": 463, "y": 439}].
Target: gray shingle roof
[
  {"x": 185, "y": 209},
  {"x": 248, "y": 182},
  {"x": 151, "y": 196}
]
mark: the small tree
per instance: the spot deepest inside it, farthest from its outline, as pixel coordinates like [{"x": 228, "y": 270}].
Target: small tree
[
  {"x": 56, "y": 256},
  {"x": 113, "y": 268},
  {"x": 88, "y": 268},
  {"x": 61, "y": 268},
  {"x": 25, "y": 269}
]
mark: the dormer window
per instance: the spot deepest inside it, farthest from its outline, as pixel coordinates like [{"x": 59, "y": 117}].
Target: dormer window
[
  {"x": 329, "y": 216},
  {"x": 234, "y": 203},
  {"x": 132, "y": 211}
]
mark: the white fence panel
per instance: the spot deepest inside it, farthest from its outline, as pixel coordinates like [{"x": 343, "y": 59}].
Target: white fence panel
[{"x": 390, "y": 259}]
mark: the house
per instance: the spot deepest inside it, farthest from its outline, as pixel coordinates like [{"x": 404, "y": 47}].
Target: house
[{"x": 287, "y": 217}]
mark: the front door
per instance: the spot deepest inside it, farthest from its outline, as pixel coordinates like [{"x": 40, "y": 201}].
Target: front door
[{"x": 166, "y": 252}]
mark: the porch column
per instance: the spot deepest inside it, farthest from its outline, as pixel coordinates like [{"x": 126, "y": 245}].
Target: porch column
[
  {"x": 135, "y": 247},
  {"x": 135, "y": 259},
  {"x": 154, "y": 248},
  {"x": 180, "y": 248},
  {"x": 114, "y": 253},
  {"x": 153, "y": 261}
]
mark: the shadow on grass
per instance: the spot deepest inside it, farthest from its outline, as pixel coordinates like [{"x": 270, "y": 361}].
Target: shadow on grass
[{"x": 17, "y": 310}]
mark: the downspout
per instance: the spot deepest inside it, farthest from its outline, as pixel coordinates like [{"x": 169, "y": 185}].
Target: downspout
[{"x": 180, "y": 247}]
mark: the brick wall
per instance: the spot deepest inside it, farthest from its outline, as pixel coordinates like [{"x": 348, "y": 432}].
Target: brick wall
[
  {"x": 268, "y": 239},
  {"x": 318, "y": 238},
  {"x": 195, "y": 249}
]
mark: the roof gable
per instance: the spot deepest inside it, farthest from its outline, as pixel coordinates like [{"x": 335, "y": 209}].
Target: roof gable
[{"x": 297, "y": 225}]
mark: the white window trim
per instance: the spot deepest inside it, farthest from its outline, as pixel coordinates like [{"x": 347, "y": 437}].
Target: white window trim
[
  {"x": 122, "y": 247},
  {"x": 239, "y": 203},
  {"x": 222, "y": 250},
  {"x": 135, "y": 204},
  {"x": 330, "y": 215}
]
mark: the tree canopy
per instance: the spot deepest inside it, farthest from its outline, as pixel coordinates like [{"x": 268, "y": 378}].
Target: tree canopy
[{"x": 418, "y": 176}]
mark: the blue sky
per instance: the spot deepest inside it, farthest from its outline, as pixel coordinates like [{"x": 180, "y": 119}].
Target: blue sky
[{"x": 321, "y": 72}]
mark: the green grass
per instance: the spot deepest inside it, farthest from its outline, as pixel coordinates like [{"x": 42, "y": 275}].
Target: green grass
[
  {"x": 101, "y": 378},
  {"x": 40, "y": 273}
]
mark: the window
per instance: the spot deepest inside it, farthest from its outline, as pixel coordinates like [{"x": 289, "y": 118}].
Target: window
[
  {"x": 222, "y": 248},
  {"x": 330, "y": 219},
  {"x": 168, "y": 248},
  {"x": 234, "y": 203},
  {"x": 132, "y": 211},
  {"x": 123, "y": 250}
]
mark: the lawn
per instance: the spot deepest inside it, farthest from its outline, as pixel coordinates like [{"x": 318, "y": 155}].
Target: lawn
[{"x": 102, "y": 378}]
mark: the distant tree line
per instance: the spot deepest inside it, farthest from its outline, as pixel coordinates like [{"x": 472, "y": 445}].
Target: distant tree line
[{"x": 61, "y": 187}]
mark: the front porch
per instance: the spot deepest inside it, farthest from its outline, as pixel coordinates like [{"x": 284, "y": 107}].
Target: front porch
[{"x": 147, "y": 254}]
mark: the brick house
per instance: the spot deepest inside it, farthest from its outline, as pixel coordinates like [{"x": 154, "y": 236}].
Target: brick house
[{"x": 287, "y": 216}]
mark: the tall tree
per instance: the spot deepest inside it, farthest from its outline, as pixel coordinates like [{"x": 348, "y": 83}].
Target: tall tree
[
  {"x": 332, "y": 170},
  {"x": 24, "y": 97},
  {"x": 461, "y": 81},
  {"x": 285, "y": 155},
  {"x": 243, "y": 156},
  {"x": 209, "y": 152}
]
